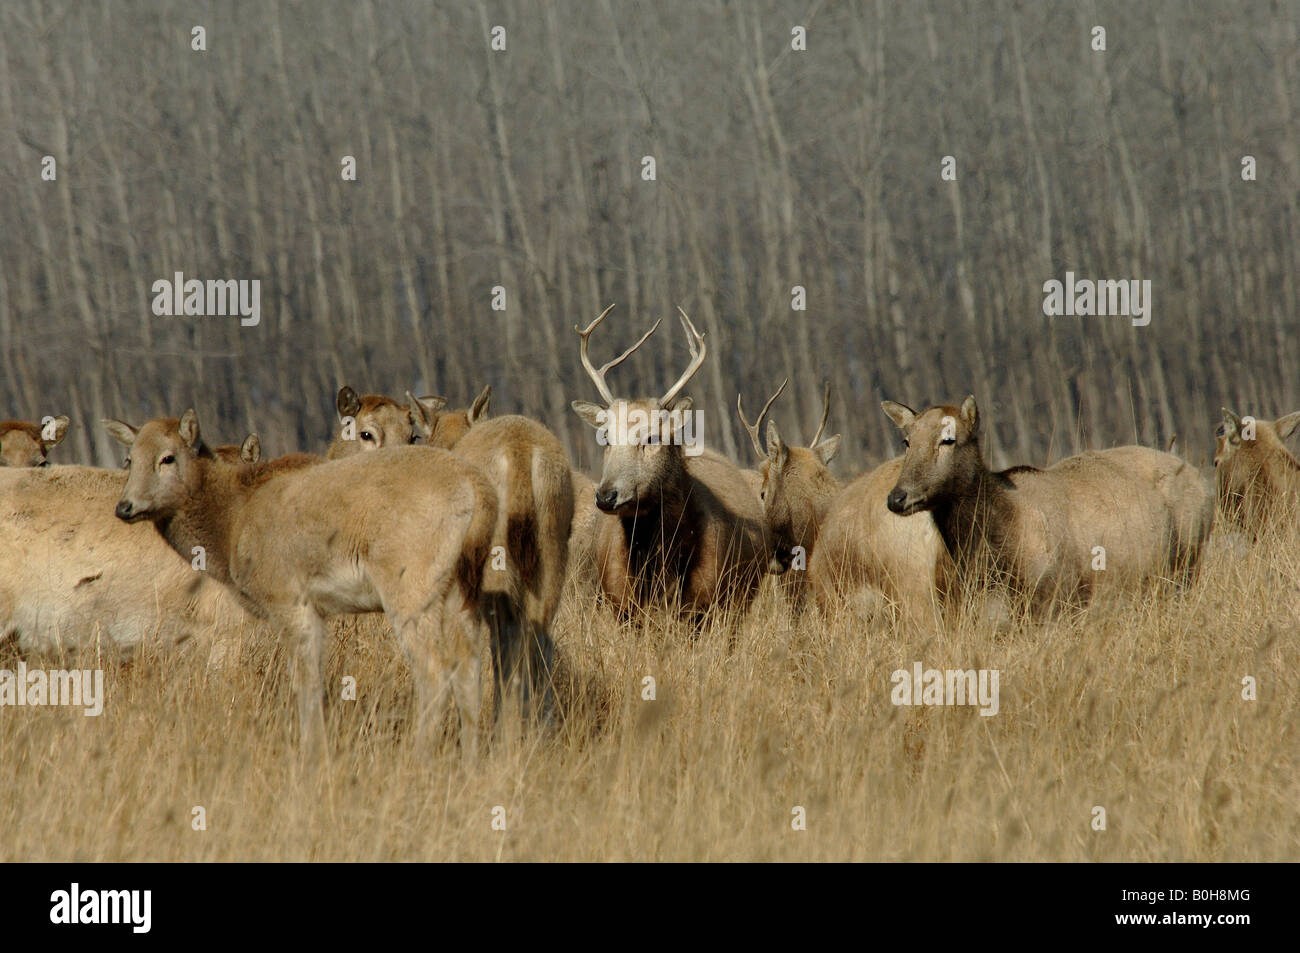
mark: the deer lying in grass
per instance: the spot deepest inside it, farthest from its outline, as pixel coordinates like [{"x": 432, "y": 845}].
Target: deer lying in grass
[
  {"x": 678, "y": 530},
  {"x": 795, "y": 490},
  {"x": 529, "y": 470},
  {"x": 73, "y": 576},
  {"x": 28, "y": 445},
  {"x": 405, "y": 530},
  {"x": 1100, "y": 518},
  {"x": 1258, "y": 480}
]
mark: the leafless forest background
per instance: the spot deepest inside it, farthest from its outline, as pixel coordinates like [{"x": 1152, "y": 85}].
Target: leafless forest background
[{"x": 775, "y": 168}]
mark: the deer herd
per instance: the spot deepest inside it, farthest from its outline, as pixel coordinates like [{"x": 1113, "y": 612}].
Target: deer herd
[{"x": 464, "y": 529}]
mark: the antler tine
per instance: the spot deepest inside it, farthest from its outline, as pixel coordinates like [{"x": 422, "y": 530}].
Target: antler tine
[
  {"x": 624, "y": 356},
  {"x": 758, "y": 423},
  {"x": 597, "y": 376},
  {"x": 826, "y": 412},
  {"x": 698, "y": 351}
]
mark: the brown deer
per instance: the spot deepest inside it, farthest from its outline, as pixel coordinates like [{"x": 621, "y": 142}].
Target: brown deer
[
  {"x": 405, "y": 531},
  {"x": 677, "y": 529},
  {"x": 1099, "y": 518},
  {"x": 28, "y": 445},
  {"x": 1258, "y": 480},
  {"x": 795, "y": 489},
  {"x": 529, "y": 470},
  {"x": 73, "y": 576},
  {"x": 444, "y": 428}
]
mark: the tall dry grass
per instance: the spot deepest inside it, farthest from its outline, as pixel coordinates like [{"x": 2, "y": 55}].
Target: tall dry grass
[{"x": 1134, "y": 706}]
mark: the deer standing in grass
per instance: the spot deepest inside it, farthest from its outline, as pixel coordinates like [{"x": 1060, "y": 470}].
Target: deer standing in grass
[
  {"x": 675, "y": 529},
  {"x": 1096, "y": 519},
  {"x": 28, "y": 445},
  {"x": 1258, "y": 480},
  {"x": 529, "y": 470},
  {"x": 795, "y": 488},
  {"x": 404, "y": 530}
]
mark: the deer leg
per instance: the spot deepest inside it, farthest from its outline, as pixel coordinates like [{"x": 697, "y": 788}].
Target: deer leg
[{"x": 307, "y": 632}]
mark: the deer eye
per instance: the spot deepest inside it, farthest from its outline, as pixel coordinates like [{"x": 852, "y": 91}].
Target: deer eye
[
  {"x": 947, "y": 441},
  {"x": 167, "y": 459},
  {"x": 906, "y": 442},
  {"x": 367, "y": 435}
]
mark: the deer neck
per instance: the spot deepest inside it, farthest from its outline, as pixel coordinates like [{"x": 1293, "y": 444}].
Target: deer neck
[
  {"x": 207, "y": 519},
  {"x": 977, "y": 520},
  {"x": 661, "y": 538}
]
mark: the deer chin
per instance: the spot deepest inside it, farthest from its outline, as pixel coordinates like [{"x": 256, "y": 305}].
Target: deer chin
[{"x": 911, "y": 506}]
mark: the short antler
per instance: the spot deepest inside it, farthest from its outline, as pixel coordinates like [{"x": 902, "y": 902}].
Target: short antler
[
  {"x": 826, "y": 412},
  {"x": 598, "y": 375},
  {"x": 757, "y": 425},
  {"x": 698, "y": 350}
]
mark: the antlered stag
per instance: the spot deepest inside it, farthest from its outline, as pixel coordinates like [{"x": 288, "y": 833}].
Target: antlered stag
[
  {"x": 796, "y": 490},
  {"x": 28, "y": 445},
  {"x": 1099, "y": 518},
  {"x": 404, "y": 530},
  {"x": 1258, "y": 480},
  {"x": 677, "y": 529},
  {"x": 529, "y": 470}
]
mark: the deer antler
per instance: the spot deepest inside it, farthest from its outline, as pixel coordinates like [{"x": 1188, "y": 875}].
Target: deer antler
[
  {"x": 758, "y": 423},
  {"x": 598, "y": 376},
  {"x": 826, "y": 412},
  {"x": 698, "y": 350}
]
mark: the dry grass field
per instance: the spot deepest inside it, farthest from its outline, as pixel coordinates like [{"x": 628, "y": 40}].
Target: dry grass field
[{"x": 1134, "y": 707}]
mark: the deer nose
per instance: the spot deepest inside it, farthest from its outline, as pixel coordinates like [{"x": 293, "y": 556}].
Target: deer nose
[
  {"x": 896, "y": 500},
  {"x": 606, "y": 498},
  {"x": 124, "y": 509}
]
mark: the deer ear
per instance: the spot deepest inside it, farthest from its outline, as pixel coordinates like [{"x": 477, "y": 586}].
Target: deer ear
[
  {"x": 60, "y": 431},
  {"x": 777, "y": 451},
  {"x": 423, "y": 412},
  {"x": 683, "y": 405},
  {"x": 827, "y": 449},
  {"x": 122, "y": 433},
  {"x": 902, "y": 415},
  {"x": 478, "y": 410},
  {"x": 593, "y": 414},
  {"x": 970, "y": 413},
  {"x": 189, "y": 428},
  {"x": 1285, "y": 426},
  {"x": 1231, "y": 425},
  {"x": 347, "y": 402},
  {"x": 250, "y": 451}
]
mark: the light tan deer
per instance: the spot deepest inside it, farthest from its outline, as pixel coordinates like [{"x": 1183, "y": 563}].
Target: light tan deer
[
  {"x": 28, "y": 445},
  {"x": 372, "y": 422},
  {"x": 864, "y": 548},
  {"x": 529, "y": 470},
  {"x": 405, "y": 530},
  {"x": 1097, "y": 519},
  {"x": 677, "y": 529},
  {"x": 796, "y": 490},
  {"x": 74, "y": 576},
  {"x": 1258, "y": 480},
  {"x": 444, "y": 428}
]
